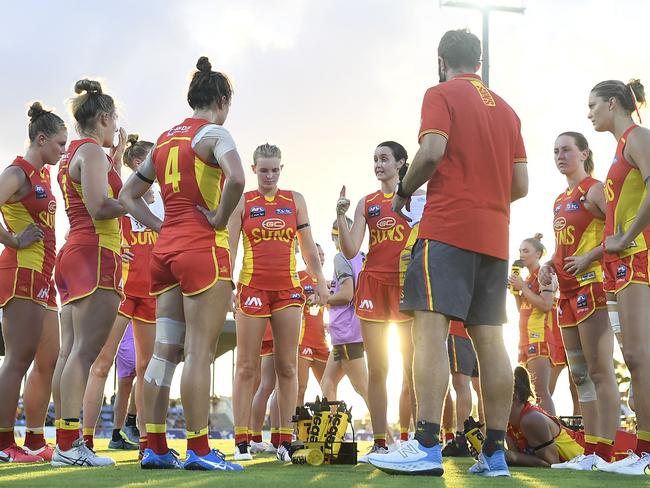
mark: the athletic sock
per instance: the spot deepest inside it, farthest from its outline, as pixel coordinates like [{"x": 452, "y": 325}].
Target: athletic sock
[
  {"x": 449, "y": 436},
  {"x": 197, "y": 441},
  {"x": 256, "y": 437},
  {"x": 427, "y": 433},
  {"x": 275, "y": 436},
  {"x": 34, "y": 438},
  {"x": 131, "y": 420},
  {"x": 143, "y": 443},
  {"x": 380, "y": 440},
  {"x": 69, "y": 433},
  {"x": 157, "y": 438},
  {"x": 494, "y": 441},
  {"x": 286, "y": 435},
  {"x": 605, "y": 448},
  {"x": 7, "y": 437},
  {"x": 403, "y": 433},
  {"x": 116, "y": 437},
  {"x": 591, "y": 441},
  {"x": 241, "y": 434},
  {"x": 89, "y": 436},
  {"x": 642, "y": 442}
]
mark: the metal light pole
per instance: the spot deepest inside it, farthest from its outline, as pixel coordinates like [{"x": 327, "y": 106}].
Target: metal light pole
[{"x": 485, "y": 7}]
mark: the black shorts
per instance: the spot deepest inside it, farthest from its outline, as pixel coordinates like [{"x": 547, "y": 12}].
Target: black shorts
[
  {"x": 349, "y": 352},
  {"x": 461, "y": 284},
  {"x": 462, "y": 358}
]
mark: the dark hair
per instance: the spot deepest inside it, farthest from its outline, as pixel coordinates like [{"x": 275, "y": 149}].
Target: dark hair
[
  {"x": 43, "y": 121},
  {"x": 90, "y": 103},
  {"x": 582, "y": 144},
  {"x": 460, "y": 49},
  {"x": 523, "y": 389},
  {"x": 624, "y": 93},
  {"x": 536, "y": 242},
  {"x": 207, "y": 86},
  {"x": 399, "y": 153},
  {"x": 135, "y": 149}
]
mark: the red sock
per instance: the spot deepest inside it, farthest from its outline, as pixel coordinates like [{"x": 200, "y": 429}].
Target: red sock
[
  {"x": 34, "y": 440},
  {"x": 275, "y": 439},
  {"x": 7, "y": 439},
  {"x": 590, "y": 448},
  {"x": 241, "y": 438},
  {"x": 449, "y": 436},
  {"x": 157, "y": 442},
  {"x": 641, "y": 447},
  {"x": 605, "y": 451},
  {"x": 67, "y": 437},
  {"x": 404, "y": 436},
  {"x": 257, "y": 437},
  {"x": 199, "y": 445},
  {"x": 90, "y": 440},
  {"x": 143, "y": 443},
  {"x": 285, "y": 437}
]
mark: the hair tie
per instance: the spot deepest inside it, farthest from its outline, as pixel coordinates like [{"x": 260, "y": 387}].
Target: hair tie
[{"x": 636, "y": 104}]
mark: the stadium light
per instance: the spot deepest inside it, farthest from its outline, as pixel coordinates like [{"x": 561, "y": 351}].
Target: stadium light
[{"x": 485, "y": 7}]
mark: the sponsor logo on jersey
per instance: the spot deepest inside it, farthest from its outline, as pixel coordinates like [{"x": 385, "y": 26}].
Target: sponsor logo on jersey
[
  {"x": 274, "y": 224},
  {"x": 374, "y": 211},
  {"x": 253, "y": 302},
  {"x": 621, "y": 272},
  {"x": 283, "y": 211},
  {"x": 386, "y": 223},
  {"x": 572, "y": 207},
  {"x": 581, "y": 302},
  {"x": 532, "y": 349},
  {"x": 557, "y": 208},
  {"x": 535, "y": 335},
  {"x": 43, "y": 293},
  {"x": 588, "y": 276},
  {"x": 40, "y": 192},
  {"x": 366, "y": 304},
  {"x": 559, "y": 223},
  {"x": 257, "y": 212},
  {"x": 178, "y": 129}
]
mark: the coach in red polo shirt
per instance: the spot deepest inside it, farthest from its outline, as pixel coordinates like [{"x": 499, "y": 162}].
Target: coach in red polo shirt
[{"x": 471, "y": 153}]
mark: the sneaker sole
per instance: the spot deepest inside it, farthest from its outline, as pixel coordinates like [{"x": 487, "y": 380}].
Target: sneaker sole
[
  {"x": 419, "y": 472},
  {"x": 157, "y": 466},
  {"x": 59, "y": 464}
]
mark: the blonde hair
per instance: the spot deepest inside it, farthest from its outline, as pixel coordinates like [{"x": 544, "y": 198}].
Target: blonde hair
[{"x": 266, "y": 151}]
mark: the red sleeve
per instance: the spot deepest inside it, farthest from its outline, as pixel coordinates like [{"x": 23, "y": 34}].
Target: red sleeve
[
  {"x": 436, "y": 117},
  {"x": 520, "y": 150}
]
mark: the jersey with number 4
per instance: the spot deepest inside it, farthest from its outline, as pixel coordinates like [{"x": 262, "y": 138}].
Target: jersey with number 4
[{"x": 186, "y": 181}]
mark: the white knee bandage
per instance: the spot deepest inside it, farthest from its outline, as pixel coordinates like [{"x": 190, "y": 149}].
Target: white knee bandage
[
  {"x": 580, "y": 374},
  {"x": 160, "y": 372},
  {"x": 613, "y": 317},
  {"x": 169, "y": 331}
]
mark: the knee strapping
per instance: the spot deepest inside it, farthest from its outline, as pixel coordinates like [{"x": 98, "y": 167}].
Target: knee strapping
[
  {"x": 613, "y": 317},
  {"x": 160, "y": 372},
  {"x": 580, "y": 374},
  {"x": 169, "y": 331}
]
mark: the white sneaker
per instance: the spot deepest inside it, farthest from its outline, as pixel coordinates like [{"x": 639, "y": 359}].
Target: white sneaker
[
  {"x": 283, "y": 454},
  {"x": 570, "y": 464},
  {"x": 640, "y": 467},
  {"x": 623, "y": 463},
  {"x": 243, "y": 454},
  {"x": 79, "y": 455},
  {"x": 394, "y": 446},
  {"x": 270, "y": 449},
  {"x": 375, "y": 449},
  {"x": 411, "y": 458},
  {"x": 257, "y": 447},
  {"x": 592, "y": 462}
]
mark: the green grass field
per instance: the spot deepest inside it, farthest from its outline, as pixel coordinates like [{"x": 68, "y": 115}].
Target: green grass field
[{"x": 266, "y": 471}]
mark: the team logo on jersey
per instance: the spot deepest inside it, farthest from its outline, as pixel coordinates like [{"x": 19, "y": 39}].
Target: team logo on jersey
[
  {"x": 582, "y": 302},
  {"x": 386, "y": 223},
  {"x": 621, "y": 272},
  {"x": 588, "y": 276},
  {"x": 257, "y": 212},
  {"x": 572, "y": 206},
  {"x": 366, "y": 304},
  {"x": 274, "y": 224},
  {"x": 51, "y": 207},
  {"x": 374, "y": 211},
  {"x": 296, "y": 296},
  {"x": 40, "y": 192},
  {"x": 283, "y": 211},
  {"x": 532, "y": 349},
  {"x": 253, "y": 302},
  {"x": 559, "y": 223},
  {"x": 557, "y": 208}
]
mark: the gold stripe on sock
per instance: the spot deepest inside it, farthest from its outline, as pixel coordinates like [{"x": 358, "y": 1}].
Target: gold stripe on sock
[
  {"x": 88, "y": 431},
  {"x": 34, "y": 430},
  {"x": 193, "y": 434},
  {"x": 241, "y": 430},
  {"x": 68, "y": 425},
  {"x": 7, "y": 429},
  {"x": 156, "y": 428}
]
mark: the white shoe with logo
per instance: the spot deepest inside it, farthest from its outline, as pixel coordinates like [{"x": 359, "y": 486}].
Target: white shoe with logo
[
  {"x": 591, "y": 462},
  {"x": 283, "y": 454},
  {"x": 638, "y": 468},
  {"x": 79, "y": 455},
  {"x": 623, "y": 463},
  {"x": 257, "y": 447}
]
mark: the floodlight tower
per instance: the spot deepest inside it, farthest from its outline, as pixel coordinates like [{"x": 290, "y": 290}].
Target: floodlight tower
[{"x": 485, "y": 7}]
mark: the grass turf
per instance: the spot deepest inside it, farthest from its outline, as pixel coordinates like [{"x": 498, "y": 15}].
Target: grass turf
[{"x": 265, "y": 471}]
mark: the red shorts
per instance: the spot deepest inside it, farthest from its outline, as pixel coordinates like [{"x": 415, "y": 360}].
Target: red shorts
[
  {"x": 535, "y": 350},
  {"x": 52, "y": 304},
  {"x": 82, "y": 269},
  {"x": 314, "y": 353},
  {"x": 376, "y": 301},
  {"x": 24, "y": 283},
  {"x": 623, "y": 271},
  {"x": 558, "y": 354},
  {"x": 260, "y": 303},
  {"x": 194, "y": 270},
  {"x": 578, "y": 308},
  {"x": 139, "y": 308},
  {"x": 267, "y": 348}
]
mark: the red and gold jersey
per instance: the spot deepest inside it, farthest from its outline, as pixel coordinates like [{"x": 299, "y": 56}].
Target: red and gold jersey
[
  {"x": 136, "y": 276},
  {"x": 83, "y": 228},
  {"x": 577, "y": 231},
  {"x": 389, "y": 236},
  {"x": 313, "y": 327},
  {"x": 187, "y": 181},
  {"x": 624, "y": 193},
  {"x": 457, "y": 328},
  {"x": 269, "y": 238},
  {"x": 37, "y": 207},
  {"x": 534, "y": 324}
]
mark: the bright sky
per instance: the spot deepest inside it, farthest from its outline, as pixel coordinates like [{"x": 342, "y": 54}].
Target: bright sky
[{"x": 326, "y": 81}]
